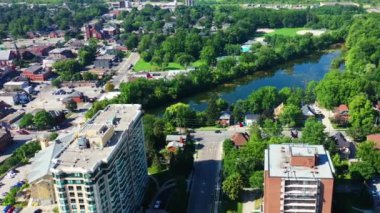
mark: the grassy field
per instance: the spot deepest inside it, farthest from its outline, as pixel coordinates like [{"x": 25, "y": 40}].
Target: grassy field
[
  {"x": 210, "y": 128},
  {"x": 142, "y": 65},
  {"x": 287, "y": 31}
]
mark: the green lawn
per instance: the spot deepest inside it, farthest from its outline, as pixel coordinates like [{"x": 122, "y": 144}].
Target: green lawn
[
  {"x": 142, "y": 65},
  {"x": 286, "y": 31},
  {"x": 210, "y": 128}
]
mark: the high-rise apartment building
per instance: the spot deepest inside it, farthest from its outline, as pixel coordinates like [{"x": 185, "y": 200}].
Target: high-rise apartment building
[
  {"x": 298, "y": 178},
  {"x": 103, "y": 169}
]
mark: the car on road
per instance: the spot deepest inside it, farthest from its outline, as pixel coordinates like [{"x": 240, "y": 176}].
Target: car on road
[
  {"x": 157, "y": 205},
  {"x": 217, "y": 131},
  {"x": 23, "y": 132},
  {"x": 11, "y": 209},
  {"x": 7, "y": 208},
  {"x": 38, "y": 211}
]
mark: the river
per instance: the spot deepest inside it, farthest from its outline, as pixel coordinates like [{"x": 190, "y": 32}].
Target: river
[{"x": 293, "y": 74}]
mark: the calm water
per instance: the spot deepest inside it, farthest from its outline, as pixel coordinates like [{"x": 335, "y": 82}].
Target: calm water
[{"x": 294, "y": 74}]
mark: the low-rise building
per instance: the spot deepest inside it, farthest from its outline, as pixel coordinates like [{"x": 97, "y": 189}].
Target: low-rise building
[
  {"x": 12, "y": 86},
  {"x": 250, "y": 119},
  {"x": 10, "y": 119},
  {"x": 341, "y": 114},
  {"x": 5, "y": 70},
  {"x": 36, "y": 73},
  {"x": 40, "y": 50},
  {"x": 176, "y": 138},
  {"x": 224, "y": 119},
  {"x": 61, "y": 53},
  {"x": 7, "y": 57},
  {"x": 240, "y": 139},
  {"x": 104, "y": 62}
]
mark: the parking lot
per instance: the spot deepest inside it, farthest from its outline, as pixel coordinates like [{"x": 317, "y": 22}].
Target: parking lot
[{"x": 7, "y": 182}]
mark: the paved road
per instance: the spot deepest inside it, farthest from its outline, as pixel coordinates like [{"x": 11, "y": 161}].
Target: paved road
[
  {"x": 123, "y": 71},
  {"x": 206, "y": 170}
]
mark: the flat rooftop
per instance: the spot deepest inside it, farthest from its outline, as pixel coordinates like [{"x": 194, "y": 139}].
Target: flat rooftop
[
  {"x": 278, "y": 157},
  {"x": 74, "y": 159}
]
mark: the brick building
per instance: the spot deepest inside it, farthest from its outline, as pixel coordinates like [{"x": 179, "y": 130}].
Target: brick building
[
  {"x": 36, "y": 73},
  {"x": 298, "y": 178}
]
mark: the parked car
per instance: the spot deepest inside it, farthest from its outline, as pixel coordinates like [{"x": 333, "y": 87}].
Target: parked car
[
  {"x": 217, "y": 131},
  {"x": 23, "y": 132},
  {"x": 7, "y": 208},
  {"x": 11, "y": 209}
]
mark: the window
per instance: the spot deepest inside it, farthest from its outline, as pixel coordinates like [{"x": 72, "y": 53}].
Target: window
[
  {"x": 72, "y": 194},
  {"x": 79, "y": 188},
  {"x": 80, "y": 194},
  {"x": 82, "y": 207},
  {"x": 80, "y": 200},
  {"x": 71, "y": 188},
  {"x": 73, "y": 206},
  {"x": 73, "y": 201}
]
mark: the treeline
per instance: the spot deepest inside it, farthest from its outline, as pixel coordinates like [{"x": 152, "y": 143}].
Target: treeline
[{"x": 17, "y": 20}]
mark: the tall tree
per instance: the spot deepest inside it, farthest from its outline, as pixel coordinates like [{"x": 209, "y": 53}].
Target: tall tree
[
  {"x": 313, "y": 132},
  {"x": 362, "y": 117},
  {"x": 232, "y": 186}
]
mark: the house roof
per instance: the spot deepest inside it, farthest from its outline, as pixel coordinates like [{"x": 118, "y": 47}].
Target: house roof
[
  {"x": 341, "y": 140},
  {"x": 5, "y": 55},
  {"x": 306, "y": 111},
  {"x": 225, "y": 116},
  {"x": 342, "y": 108},
  {"x": 374, "y": 138},
  {"x": 240, "y": 138},
  {"x": 175, "y": 137},
  {"x": 251, "y": 117}
]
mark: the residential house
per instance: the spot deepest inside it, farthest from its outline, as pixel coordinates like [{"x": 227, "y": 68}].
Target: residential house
[
  {"x": 57, "y": 34},
  {"x": 168, "y": 28},
  {"x": 374, "y": 138},
  {"x": 278, "y": 110},
  {"x": 47, "y": 63},
  {"x": 36, "y": 73},
  {"x": 75, "y": 45},
  {"x": 225, "y": 119},
  {"x": 5, "y": 139},
  {"x": 346, "y": 148},
  {"x": 100, "y": 72},
  {"x": 308, "y": 111},
  {"x": 61, "y": 53},
  {"x": 110, "y": 31},
  {"x": 10, "y": 119},
  {"x": 7, "y": 57},
  {"x": 104, "y": 62},
  {"x": 250, "y": 119},
  {"x": 92, "y": 30},
  {"x": 15, "y": 98},
  {"x": 341, "y": 114},
  {"x": 175, "y": 142},
  {"x": 240, "y": 139},
  {"x": 40, "y": 50}
]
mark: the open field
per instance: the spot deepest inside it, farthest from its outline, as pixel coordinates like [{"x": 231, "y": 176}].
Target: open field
[{"x": 286, "y": 31}]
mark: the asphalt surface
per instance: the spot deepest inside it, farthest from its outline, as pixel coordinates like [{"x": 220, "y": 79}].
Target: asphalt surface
[
  {"x": 123, "y": 71},
  {"x": 207, "y": 167}
]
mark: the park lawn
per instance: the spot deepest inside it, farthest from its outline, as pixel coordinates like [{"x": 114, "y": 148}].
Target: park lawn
[
  {"x": 286, "y": 31},
  {"x": 142, "y": 65}
]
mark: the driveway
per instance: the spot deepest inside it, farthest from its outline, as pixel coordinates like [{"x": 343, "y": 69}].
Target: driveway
[{"x": 206, "y": 174}]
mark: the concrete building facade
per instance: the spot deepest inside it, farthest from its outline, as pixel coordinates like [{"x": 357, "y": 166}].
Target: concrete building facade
[
  {"x": 104, "y": 168},
  {"x": 298, "y": 178}
]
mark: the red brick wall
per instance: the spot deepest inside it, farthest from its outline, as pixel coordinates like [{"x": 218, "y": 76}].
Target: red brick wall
[
  {"x": 327, "y": 191},
  {"x": 272, "y": 192}
]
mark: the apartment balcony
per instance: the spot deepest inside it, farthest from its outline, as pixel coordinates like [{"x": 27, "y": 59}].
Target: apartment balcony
[{"x": 301, "y": 186}]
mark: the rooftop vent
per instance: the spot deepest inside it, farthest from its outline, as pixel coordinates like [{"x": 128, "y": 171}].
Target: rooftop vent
[{"x": 83, "y": 143}]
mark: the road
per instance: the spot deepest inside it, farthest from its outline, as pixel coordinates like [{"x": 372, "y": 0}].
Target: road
[
  {"x": 206, "y": 172},
  {"x": 123, "y": 71}
]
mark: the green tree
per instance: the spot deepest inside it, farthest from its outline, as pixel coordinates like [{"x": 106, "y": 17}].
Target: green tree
[
  {"x": 71, "y": 105},
  {"x": 239, "y": 110},
  {"x": 56, "y": 82},
  {"x": 232, "y": 186},
  {"x": 53, "y": 136},
  {"x": 212, "y": 110},
  {"x": 272, "y": 128},
  {"x": 362, "y": 117},
  {"x": 184, "y": 59},
  {"x": 109, "y": 87},
  {"x": 179, "y": 115},
  {"x": 313, "y": 132},
  {"x": 263, "y": 99},
  {"x": 257, "y": 180},
  {"x": 369, "y": 161},
  {"x": 291, "y": 115},
  {"x": 26, "y": 121},
  {"x": 43, "y": 120},
  {"x": 208, "y": 55}
]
